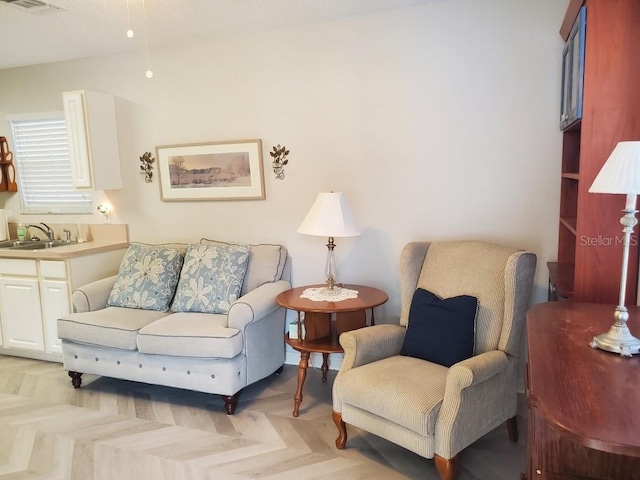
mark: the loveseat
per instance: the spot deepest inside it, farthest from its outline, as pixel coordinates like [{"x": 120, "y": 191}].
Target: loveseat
[{"x": 201, "y": 317}]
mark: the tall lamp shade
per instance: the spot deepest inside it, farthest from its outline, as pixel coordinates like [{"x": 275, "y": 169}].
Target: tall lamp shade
[
  {"x": 621, "y": 175},
  {"x": 330, "y": 216}
]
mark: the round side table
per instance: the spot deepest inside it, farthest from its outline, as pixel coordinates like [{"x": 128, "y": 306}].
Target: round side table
[{"x": 324, "y": 321}]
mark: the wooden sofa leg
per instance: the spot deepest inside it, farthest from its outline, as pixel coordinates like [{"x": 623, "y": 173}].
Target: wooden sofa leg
[
  {"x": 76, "y": 379},
  {"x": 230, "y": 402},
  {"x": 280, "y": 370},
  {"x": 447, "y": 469},
  {"x": 512, "y": 428},
  {"x": 341, "y": 441}
]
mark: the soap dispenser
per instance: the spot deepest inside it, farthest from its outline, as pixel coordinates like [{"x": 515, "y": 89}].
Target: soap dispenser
[{"x": 22, "y": 231}]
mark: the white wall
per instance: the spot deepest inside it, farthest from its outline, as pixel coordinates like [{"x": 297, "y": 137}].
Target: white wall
[{"x": 439, "y": 122}]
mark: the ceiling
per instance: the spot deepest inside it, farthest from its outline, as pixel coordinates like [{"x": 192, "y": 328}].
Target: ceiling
[{"x": 72, "y": 29}]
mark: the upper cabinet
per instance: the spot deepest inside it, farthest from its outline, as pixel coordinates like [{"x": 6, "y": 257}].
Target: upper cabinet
[
  {"x": 93, "y": 140},
  {"x": 573, "y": 73}
]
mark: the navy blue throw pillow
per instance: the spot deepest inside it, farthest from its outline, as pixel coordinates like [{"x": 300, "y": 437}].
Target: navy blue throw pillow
[{"x": 441, "y": 330}]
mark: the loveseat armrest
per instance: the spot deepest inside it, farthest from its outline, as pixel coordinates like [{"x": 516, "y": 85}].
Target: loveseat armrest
[
  {"x": 366, "y": 345},
  {"x": 256, "y": 304},
  {"x": 93, "y": 296}
]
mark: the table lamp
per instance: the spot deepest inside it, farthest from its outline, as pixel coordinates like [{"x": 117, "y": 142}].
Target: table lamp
[
  {"x": 330, "y": 216},
  {"x": 621, "y": 174}
]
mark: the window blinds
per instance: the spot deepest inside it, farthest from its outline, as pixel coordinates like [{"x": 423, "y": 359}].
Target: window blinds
[{"x": 44, "y": 171}]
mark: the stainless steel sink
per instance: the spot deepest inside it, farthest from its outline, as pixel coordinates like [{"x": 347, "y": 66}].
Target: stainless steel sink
[
  {"x": 34, "y": 244},
  {"x": 17, "y": 243}
]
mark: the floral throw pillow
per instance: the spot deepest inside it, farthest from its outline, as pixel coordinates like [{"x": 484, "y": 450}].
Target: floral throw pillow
[
  {"x": 147, "y": 277},
  {"x": 211, "y": 278}
]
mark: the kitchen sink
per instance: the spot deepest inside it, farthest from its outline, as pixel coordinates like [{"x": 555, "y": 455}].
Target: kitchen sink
[
  {"x": 17, "y": 243},
  {"x": 33, "y": 244}
]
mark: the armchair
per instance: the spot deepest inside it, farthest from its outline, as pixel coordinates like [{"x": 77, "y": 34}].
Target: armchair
[{"x": 430, "y": 409}]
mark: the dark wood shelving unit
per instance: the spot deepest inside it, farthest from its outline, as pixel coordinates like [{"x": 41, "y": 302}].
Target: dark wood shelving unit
[{"x": 589, "y": 233}]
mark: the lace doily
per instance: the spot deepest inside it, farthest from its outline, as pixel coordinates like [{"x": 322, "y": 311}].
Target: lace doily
[{"x": 318, "y": 295}]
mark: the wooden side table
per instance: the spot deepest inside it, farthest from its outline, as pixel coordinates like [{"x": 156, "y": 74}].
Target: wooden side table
[
  {"x": 583, "y": 402},
  {"x": 324, "y": 322}
]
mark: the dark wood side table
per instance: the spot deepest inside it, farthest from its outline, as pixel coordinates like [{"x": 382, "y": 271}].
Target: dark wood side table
[
  {"x": 324, "y": 322},
  {"x": 584, "y": 418}
]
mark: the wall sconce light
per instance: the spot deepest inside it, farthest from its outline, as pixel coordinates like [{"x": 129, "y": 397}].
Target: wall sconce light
[
  {"x": 279, "y": 155},
  {"x": 106, "y": 211},
  {"x": 146, "y": 166}
]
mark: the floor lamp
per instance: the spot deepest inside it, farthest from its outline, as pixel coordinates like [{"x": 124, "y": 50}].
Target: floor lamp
[
  {"x": 330, "y": 216},
  {"x": 621, "y": 175}
]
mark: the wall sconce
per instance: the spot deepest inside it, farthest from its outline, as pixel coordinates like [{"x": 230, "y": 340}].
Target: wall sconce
[
  {"x": 146, "y": 166},
  {"x": 105, "y": 210},
  {"x": 279, "y": 155}
]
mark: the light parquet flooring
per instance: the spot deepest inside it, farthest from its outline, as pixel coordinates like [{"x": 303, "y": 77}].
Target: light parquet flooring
[{"x": 119, "y": 430}]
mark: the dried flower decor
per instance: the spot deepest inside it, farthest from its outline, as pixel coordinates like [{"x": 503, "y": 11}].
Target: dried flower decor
[
  {"x": 147, "y": 169},
  {"x": 279, "y": 155}
]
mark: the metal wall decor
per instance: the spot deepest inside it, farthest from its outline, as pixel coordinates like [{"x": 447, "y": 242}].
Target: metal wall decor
[
  {"x": 147, "y": 168},
  {"x": 279, "y": 155},
  {"x": 7, "y": 170}
]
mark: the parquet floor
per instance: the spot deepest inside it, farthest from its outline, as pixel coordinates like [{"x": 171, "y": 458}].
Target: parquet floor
[{"x": 119, "y": 430}]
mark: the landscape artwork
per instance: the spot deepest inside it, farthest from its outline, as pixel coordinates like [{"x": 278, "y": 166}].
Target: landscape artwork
[{"x": 211, "y": 171}]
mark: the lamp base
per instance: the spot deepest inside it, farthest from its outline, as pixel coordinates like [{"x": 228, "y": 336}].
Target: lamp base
[
  {"x": 617, "y": 340},
  {"x": 331, "y": 291}
]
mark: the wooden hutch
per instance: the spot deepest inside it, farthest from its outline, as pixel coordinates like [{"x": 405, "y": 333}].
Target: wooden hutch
[{"x": 590, "y": 235}]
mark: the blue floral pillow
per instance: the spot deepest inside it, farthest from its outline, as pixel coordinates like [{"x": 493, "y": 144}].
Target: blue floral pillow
[
  {"x": 147, "y": 277},
  {"x": 211, "y": 278}
]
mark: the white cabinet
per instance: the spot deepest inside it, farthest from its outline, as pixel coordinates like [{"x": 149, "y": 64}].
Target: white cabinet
[
  {"x": 54, "y": 294},
  {"x": 21, "y": 314},
  {"x": 93, "y": 140},
  {"x": 35, "y": 293}
]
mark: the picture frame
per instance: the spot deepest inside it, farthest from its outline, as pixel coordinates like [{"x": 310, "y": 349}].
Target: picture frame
[{"x": 229, "y": 170}]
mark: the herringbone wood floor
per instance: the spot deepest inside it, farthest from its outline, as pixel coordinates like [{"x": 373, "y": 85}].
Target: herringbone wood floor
[{"x": 119, "y": 430}]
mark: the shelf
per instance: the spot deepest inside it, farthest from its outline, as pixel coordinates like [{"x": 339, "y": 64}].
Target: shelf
[
  {"x": 571, "y": 176},
  {"x": 561, "y": 277},
  {"x": 570, "y": 223}
]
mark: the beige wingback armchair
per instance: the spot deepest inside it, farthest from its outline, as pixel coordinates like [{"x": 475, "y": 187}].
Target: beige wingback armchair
[{"x": 430, "y": 409}]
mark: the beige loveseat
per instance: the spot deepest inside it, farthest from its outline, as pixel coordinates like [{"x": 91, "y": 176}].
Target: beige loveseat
[{"x": 118, "y": 331}]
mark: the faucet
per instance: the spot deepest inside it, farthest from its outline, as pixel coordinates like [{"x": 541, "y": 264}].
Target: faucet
[{"x": 48, "y": 232}]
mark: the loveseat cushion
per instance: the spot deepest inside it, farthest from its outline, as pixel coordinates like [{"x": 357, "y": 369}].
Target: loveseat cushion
[
  {"x": 266, "y": 263},
  {"x": 115, "y": 327},
  {"x": 147, "y": 277},
  {"x": 191, "y": 335},
  {"x": 211, "y": 278}
]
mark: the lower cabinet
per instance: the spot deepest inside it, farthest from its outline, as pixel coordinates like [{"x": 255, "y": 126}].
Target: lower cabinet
[
  {"x": 35, "y": 293},
  {"x": 21, "y": 314},
  {"x": 55, "y": 300}
]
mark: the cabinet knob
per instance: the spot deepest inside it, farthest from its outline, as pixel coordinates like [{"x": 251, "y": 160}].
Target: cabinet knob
[{"x": 539, "y": 472}]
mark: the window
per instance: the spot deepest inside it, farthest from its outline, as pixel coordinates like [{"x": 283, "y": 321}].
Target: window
[{"x": 42, "y": 162}]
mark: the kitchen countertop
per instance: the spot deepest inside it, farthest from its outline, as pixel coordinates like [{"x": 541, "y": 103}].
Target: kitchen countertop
[{"x": 65, "y": 251}]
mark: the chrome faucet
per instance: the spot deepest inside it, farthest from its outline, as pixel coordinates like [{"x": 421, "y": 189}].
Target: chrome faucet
[{"x": 48, "y": 232}]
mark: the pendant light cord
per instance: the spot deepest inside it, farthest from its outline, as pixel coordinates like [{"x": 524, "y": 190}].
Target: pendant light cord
[{"x": 149, "y": 73}]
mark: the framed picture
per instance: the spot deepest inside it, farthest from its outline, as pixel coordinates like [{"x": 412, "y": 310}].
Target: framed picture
[{"x": 211, "y": 171}]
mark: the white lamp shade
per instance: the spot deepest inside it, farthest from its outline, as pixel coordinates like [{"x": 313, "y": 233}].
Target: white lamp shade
[
  {"x": 621, "y": 172},
  {"x": 330, "y": 216}
]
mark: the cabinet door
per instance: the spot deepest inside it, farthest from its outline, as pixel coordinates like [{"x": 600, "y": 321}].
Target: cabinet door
[
  {"x": 79, "y": 149},
  {"x": 573, "y": 73},
  {"x": 55, "y": 304},
  {"x": 93, "y": 140},
  {"x": 21, "y": 314}
]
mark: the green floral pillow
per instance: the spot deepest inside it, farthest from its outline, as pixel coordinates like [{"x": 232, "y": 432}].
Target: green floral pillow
[
  {"x": 211, "y": 278},
  {"x": 147, "y": 277}
]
